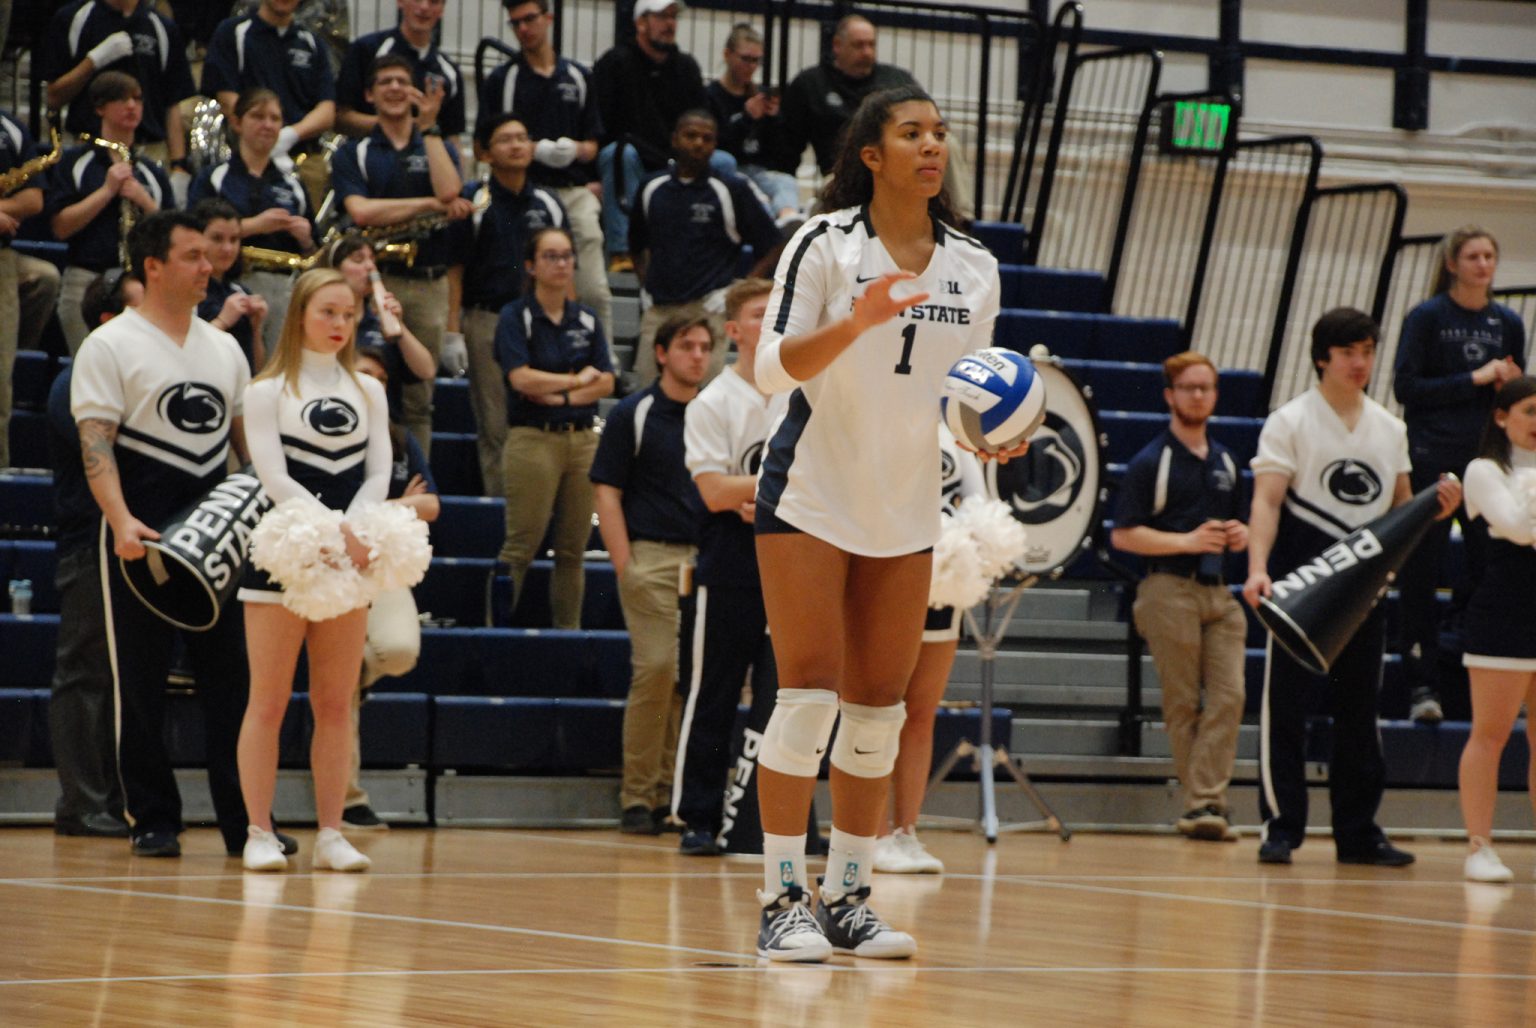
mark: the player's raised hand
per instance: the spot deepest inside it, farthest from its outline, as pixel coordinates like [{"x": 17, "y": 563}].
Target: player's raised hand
[{"x": 877, "y": 305}]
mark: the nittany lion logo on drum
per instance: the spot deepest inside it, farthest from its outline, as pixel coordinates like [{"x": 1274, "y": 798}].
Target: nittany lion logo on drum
[
  {"x": 330, "y": 416},
  {"x": 192, "y": 407},
  {"x": 1352, "y": 481}
]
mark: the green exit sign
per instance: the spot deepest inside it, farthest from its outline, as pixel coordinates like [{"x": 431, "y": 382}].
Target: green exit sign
[{"x": 1195, "y": 126}]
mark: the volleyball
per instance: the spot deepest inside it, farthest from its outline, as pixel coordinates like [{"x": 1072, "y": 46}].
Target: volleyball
[{"x": 993, "y": 400}]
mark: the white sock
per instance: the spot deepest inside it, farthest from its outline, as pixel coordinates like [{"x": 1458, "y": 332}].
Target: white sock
[
  {"x": 783, "y": 862},
  {"x": 850, "y": 860}
]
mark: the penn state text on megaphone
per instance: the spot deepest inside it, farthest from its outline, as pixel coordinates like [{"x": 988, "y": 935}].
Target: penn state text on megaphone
[{"x": 1316, "y": 608}]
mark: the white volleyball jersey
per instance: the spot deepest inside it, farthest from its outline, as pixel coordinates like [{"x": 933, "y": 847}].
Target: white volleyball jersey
[
  {"x": 1340, "y": 478},
  {"x": 960, "y": 475},
  {"x": 855, "y": 458},
  {"x": 173, "y": 406},
  {"x": 328, "y": 440},
  {"x": 727, "y": 425}
]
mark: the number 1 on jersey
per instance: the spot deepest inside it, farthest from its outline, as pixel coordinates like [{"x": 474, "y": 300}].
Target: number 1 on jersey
[{"x": 908, "y": 335}]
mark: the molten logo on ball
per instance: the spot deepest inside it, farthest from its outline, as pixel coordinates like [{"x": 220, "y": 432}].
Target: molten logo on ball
[{"x": 993, "y": 399}]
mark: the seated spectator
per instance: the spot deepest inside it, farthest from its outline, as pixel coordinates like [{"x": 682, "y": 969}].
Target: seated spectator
[
  {"x": 750, "y": 127},
  {"x": 643, "y": 87},
  {"x": 229, "y": 305},
  {"x": 648, "y": 511},
  {"x": 553, "y": 97},
  {"x": 394, "y": 629},
  {"x": 555, "y": 360},
  {"x": 88, "y": 190},
  {"x": 271, "y": 203},
  {"x": 432, "y": 73},
  {"x": 687, "y": 233},
  {"x": 406, "y": 360},
  {"x": 15, "y": 144},
  {"x": 486, "y": 273}
]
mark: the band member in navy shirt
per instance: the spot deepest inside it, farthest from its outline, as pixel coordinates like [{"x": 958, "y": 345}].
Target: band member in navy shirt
[
  {"x": 648, "y": 512},
  {"x": 15, "y": 148},
  {"x": 406, "y": 360},
  {"x": 687, "y": 231},
  {"x": 486, "y": 273},
  {"x": 404, "y": 169},
  {"x": 1457, "y": 348},
  {"x": 87, "y": 191},
  {"x": 433, "y": 74},
  {"x": 230, "y": 306},
  {"x": 1181, "y": 507},
  {"x": 553, "y": 97}
]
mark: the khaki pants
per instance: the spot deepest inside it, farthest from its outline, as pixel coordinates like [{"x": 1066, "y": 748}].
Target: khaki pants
[
  {"x": 546, "y": 473},
  {"x": 711, "y": 306},
  {"x": 586, "y": 226},
  {"x": 487, "y": 396},
  {"x": 648, "y": 592},
  {"x": 71, "y": 291},
  {"x": 10, "y": 321},
  {"x": 392, "y": 647},
  {"x": 1196, "y": 634},
  {"x": 38, "y": 283},
  {"x": 425, "y": 302}
]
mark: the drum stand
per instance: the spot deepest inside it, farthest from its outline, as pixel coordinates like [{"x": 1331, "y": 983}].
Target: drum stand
[{"x": 984, "y": 757}]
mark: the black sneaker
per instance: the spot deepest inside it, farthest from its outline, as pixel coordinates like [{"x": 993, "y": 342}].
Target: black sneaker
[
  {"x": 1274, "y": 851},
  {"x": 789, "y": 931},
  {"x": 156, "y": 844},
  {"x": 1382, "y": 854},
  {"x": 637, "y": 820},
  {"x": 852, "y": 927},
  {"x": 699, "y": 842},
  {"x": 362, "y": 817},
  {"x": 100, "y": 826}
]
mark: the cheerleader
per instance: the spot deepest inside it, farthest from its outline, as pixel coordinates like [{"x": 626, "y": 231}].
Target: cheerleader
[
  {"x": 1500, "y": 648},
  {"x": 871, "y": 305},
  {"x": 315, "y": 429}
]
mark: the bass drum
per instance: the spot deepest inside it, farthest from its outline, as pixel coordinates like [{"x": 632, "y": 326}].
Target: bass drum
[{"x": 1057, "y": 488}]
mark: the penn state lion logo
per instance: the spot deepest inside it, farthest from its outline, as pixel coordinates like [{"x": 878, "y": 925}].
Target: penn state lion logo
[
  {"x": 1043, "y": 485},
  {"x": 752, "y": 459},
  {"x": 330, "y": 416},
  {"x": 1351, "y": 481},
  {"x": 192, "y": 407}
]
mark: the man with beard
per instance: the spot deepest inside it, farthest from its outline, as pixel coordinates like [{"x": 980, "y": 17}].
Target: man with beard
[{"x": 1181, "y": 508}]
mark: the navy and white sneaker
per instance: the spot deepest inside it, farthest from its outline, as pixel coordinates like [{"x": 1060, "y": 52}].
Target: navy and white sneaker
[
  {"x": 851, "y": 927},
  {"x": 789, "y": 930}
]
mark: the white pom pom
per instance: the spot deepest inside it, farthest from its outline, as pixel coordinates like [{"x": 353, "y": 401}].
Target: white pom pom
[
  {"x": 997, "y": 535},
  {"x": 300, "y": 545},
  {"x": 398, "y": 551},
  {"x": 958, "y": 580}
]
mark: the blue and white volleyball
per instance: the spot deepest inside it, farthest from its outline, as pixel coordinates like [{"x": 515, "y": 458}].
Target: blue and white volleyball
[{"x": 993, "y": 400}]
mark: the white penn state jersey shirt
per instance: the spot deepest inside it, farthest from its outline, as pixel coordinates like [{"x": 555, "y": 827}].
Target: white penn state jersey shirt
[
  {"x": 1340, "y": 478},
  {"x": 726, "y": 426},
  {"x": 855, "y": 460}
]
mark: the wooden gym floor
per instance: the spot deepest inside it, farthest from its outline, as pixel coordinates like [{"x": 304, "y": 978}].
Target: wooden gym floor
[{"x": 482, "y": 927}]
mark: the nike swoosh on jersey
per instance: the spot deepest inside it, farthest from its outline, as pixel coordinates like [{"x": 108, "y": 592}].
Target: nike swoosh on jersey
[{"x": 861, "y": 278}]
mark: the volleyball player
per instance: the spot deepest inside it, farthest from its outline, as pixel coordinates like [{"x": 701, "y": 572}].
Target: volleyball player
[{"x": 871, "y": 305}]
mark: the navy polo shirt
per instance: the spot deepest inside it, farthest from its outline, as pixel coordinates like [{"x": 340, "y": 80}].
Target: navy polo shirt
[
  {"x": 158, "y": 61},
  {"x": 408, "y": 464},
  {"x": 292, "y": 62},
  {"x": 353, "y": 80},
  {"x": 213, "y": 303},
  {"x": 526, "y": 337},
  {"x": 370, "y": 333},
  {"x": 490, "y": 245},
  {"x": 373, "y": 168},
  {"x": 1168, "y": 488},
  {"x": 641, "y": 453},
  {"x": 252, "y": 195},
  {"x": 78, "y": 516},
  {"x": 15, "y": 147},
  {"x": 701, "y": 226},
  {"x": 550, "y": 106},
  {"x": 81, "y": 171}
]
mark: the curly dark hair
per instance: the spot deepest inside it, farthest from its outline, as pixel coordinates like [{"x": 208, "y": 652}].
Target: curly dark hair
[{"x": 851, "y": 184}]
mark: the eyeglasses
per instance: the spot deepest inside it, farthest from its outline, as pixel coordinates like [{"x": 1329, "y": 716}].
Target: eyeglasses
[
  {"x": 558, "y": 257},
  {"x": 747, "y": 58},
  {"x": 1194, "y": 389},
  {"x": 527, "y": 19}
]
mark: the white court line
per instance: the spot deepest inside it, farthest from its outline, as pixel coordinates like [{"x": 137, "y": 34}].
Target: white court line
[
  {"x": 764, "y": 967},
  {"x": 396, "y": 918},
  {"x": 398, "y": 875}
]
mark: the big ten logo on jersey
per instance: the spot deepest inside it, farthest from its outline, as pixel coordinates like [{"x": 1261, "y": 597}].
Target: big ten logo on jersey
[
  {"x": 330, "y": 416},
  {"x": 1352, "y": 481},
  {"x": 948, "y": 287},
  {"x": 701, "y": 213},
  {"x": 751, "y": 459},
  {"x": 192, "y": 407}
]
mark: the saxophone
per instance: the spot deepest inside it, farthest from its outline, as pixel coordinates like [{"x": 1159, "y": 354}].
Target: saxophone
[
  {"x": 14, "y": 179},
  {"x": 127, "y": 210},
  {"x": 398, "y": 242}
]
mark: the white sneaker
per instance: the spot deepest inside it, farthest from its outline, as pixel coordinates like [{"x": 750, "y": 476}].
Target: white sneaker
[
  {"x": 334, "y": 853},
  {"x": 901, "y": 853},
  {"x": 263, "y": 851},
  {"x": 1484, "y": 865}
]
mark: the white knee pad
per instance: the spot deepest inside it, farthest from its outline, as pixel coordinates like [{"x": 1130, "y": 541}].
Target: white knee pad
[
  {"x": 798, "y": 731},
  {"x": 868, "y": 739}
]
